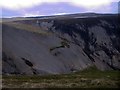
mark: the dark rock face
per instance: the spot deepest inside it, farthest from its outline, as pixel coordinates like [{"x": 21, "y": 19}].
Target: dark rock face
[{"x": 67, "y": 45}]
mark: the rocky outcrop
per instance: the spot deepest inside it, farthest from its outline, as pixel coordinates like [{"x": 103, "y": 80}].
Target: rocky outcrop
[{"x": 61, "y": 45}]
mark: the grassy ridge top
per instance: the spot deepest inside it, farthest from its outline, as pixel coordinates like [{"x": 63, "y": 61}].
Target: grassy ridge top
[{"x": 27, "y": 27}]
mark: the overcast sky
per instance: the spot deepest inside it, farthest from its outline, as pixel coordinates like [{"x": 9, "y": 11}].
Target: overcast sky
[{"x": 18, "y": 8}]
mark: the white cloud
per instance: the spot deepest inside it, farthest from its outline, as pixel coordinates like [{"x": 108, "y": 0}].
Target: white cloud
[
  {"x": 90, "y": 3},
  {"x": 20, "y": 4},
  {"x": 31, "y": 15},
  {"x": 60, "y": 13}
]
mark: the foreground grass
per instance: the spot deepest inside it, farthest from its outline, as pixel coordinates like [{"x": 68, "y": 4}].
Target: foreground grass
[{"x": 89, "y": 78}]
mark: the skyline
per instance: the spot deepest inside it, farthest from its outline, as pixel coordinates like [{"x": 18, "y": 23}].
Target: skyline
[{"x": 56, "y": 7}]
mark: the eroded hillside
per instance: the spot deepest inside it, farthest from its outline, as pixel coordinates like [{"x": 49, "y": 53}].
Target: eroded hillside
[{"x": 61, "y": 45}]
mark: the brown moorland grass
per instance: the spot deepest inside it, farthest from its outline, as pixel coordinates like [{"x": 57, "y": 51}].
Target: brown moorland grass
[{"x": 89, "y": 78}]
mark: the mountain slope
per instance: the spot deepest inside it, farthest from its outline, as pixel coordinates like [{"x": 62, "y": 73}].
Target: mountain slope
[{"x": 61, "y": 45}]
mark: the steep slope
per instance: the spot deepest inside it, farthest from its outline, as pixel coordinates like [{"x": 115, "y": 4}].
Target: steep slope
[{"x": 61, "y": 45}]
